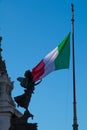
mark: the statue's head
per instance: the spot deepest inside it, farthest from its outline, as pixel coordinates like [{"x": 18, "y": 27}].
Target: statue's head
[{"x": 28, "y": 75}]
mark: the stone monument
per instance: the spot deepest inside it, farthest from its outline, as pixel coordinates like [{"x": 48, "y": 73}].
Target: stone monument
[{"x": 7, "y": 105}]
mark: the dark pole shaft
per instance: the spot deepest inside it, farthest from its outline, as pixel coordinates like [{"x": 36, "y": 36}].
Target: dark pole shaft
[
  {"x": 0, "y": 45},
  {"x": 75, "y": 125}
]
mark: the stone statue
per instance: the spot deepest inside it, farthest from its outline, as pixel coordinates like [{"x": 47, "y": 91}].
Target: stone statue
[
  {"x": 23, "y": 100},
  {"x": 27, "y": 83}
]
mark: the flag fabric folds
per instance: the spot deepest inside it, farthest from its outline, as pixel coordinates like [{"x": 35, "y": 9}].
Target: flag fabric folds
[{"x": 57, "y": 59}]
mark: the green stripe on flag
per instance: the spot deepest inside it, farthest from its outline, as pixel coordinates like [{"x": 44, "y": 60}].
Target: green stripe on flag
[
  {"x": 63, "y": 58},
  {"x": 63, "y": 43}
]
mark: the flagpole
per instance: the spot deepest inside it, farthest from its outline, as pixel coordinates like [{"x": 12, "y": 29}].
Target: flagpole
[{"x": 75, "y": 124}]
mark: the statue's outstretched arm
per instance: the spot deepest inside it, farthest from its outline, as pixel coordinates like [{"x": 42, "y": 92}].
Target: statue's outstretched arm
[{"x": 38, "y": 82}]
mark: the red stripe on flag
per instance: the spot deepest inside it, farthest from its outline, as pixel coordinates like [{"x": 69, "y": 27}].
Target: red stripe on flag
[{"x": 38, "y": 71}]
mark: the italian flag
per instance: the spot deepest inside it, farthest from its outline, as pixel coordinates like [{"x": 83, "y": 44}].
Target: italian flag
[{"x": 57, "y": 59}]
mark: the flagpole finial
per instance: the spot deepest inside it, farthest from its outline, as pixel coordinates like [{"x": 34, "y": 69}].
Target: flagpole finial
[
  {"x": 72, "y": 5},
  {"x": 72, "y": 8}
]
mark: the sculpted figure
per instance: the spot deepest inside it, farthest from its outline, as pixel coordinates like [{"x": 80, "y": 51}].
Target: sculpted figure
[{"x": 28, "y": 83}]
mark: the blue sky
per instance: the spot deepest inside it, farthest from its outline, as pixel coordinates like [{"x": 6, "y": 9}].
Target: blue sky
[{"x": 32, "y": 28}]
